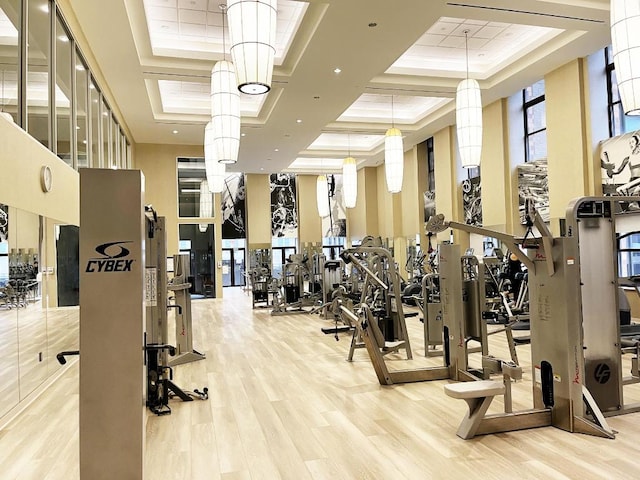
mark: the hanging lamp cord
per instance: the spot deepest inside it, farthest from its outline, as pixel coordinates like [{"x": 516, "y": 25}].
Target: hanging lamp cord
[
  {"x": 393, "y": 124},
  {"x": 466, "y": 50},
  {"x": 223, "y": 7}
]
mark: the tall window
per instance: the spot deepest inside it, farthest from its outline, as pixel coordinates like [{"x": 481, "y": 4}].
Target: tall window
[
  {"x": 535, "y": 122},
  {"x": 97, "y": 161},
  {"x": 63, "y": 94},
  {"x": 82, "y": 110},
  {"x": 38, "y": 57},
  {"x": 50, "y": 92},
  {"x": 619, "y": 123},
  {"x": 10, "y": 63}
]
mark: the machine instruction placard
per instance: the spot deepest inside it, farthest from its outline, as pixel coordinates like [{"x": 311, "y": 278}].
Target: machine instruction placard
[{"x": 151, "y": 286}]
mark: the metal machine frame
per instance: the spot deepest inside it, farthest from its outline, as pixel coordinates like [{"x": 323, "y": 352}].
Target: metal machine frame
[
  {"x": 160, "y": 384},
  {"x": 575, "y": 331},
  {"x": 382, "y": 286},
  {"x": 185, "y": 352}
]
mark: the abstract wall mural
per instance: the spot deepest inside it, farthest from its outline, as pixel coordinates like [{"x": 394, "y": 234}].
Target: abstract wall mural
[
  {"x": 4, "y": 223},
  {"x": 472, "y": 201},
  {"x": 284, "y": 210},
  {"x": 233, "y": 207},
  {"x": 335, "y": 225},
  {"x": 429, "y": 204},
  {"x": 620, "y": 164},
  {"x": 533, "y": 184}
]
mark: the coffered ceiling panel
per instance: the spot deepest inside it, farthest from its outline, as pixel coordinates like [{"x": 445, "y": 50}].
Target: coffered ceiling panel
[{"x": 157, "y": 68}]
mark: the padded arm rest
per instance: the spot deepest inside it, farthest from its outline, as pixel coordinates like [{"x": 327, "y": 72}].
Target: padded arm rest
[{"x": 478, "y": 389}]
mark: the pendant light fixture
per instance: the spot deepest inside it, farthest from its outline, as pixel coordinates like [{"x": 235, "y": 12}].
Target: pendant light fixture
[
  {"x": 216, "y": 177},
  {"x": 206, "y": 204},
  {"x": 252, "y": 29},
  {"x": 393, "y": 156},
  {"x": 225, "y": 107},
  {"x": 625, "y": 38},
  {"x": 349, "y": 179},
  {"x": 469, "y": 117},
  {"x": 215, "y": 171},
  {"x": 322, "y": 195}
]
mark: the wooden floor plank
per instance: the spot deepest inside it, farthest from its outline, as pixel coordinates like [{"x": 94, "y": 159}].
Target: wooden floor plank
[{"x": 283, "y": 403}]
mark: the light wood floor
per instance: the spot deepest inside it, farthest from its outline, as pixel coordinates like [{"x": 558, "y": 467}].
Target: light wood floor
[{"x": 284, "y": 403}]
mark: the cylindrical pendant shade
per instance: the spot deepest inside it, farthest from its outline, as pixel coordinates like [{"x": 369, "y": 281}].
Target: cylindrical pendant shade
[
  {"x": 215, "y": 170},
  {"x": 225, "y": 112},
  {"x": 625, "y": 38},
  {"x": 322, "y": 196},
  {"x": 210, "y": 156},
  {"x": 469, "y": 122},
  {"x": 206, "y": 204},
  {"x": 216, "y": 174},
  {"x": 252, "y": 29},
  {"x": 393, "y": 160},
  {"x": 349, "y": 182}
]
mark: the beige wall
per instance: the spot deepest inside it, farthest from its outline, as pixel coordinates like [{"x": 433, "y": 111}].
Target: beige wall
[
  {"x": 159, "y": 166},
  {"x": 386, "y": 220},
  {"x": 363, "y": 219},
  {"x": 448, "y": 201},
  {"x": 571, "y": 169},
  {"x": 22, "y": 158},
  {"x": 414, "y": 185},
  {"x": 258, "y": 211},
  {"x": 495, "y": 170}
]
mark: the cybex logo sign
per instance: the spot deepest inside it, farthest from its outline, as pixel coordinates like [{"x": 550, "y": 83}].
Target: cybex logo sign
[{"x": 112, "y": 258}]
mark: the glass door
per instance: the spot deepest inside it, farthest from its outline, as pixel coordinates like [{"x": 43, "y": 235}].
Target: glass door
[
  {"x": 201, "y": 247},
  {"x": 227, "y": 271},
  {"x": 233, "y": 263}
]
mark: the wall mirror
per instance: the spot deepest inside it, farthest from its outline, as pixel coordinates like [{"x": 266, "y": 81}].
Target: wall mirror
[{"x": 36, "y": 256}]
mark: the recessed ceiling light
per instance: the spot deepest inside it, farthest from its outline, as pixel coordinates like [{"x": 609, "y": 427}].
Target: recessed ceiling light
[
  {"x": 276, "y": 149},
  {"x": 261, "y": 169},
  {"x": 175, "y": 132},
  {"x": 243, "y": 134},
  {"x": 337, "y": 70},
  {"x": 298, "y": 121}
]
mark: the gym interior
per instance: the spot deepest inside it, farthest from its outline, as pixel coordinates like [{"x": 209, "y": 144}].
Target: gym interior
[{"x": 313, "y": 309}]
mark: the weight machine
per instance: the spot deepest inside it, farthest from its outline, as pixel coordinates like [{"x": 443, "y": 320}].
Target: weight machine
[
  {"x": 292, "y": 297},
  {"x": 160, "y": 384},
  {"x": 575, "y": 328},
  {"x": 381, "y": 292},
  {"x": 179, "y": 286},
  {"x": 260, "y": 279}
]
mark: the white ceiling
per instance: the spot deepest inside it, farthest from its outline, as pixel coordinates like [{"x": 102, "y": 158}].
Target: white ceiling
[{"x": 412, "y": 51}]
